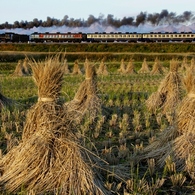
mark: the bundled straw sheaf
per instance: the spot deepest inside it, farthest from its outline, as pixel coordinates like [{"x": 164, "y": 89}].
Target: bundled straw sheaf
[
  {"x": 102, "y": 70},
  {"x": 76, "y": 69},
  {"x": 130, "y": 68},
  {"x": 157, "y": 67},
  {"x": 169, "y": 93},
  {"x": 122, "y": 68},
  {"x": 22, "y": 68},
  {"x": 144, "y": 68},
  {"x": 49, "y": 158},
  {"x": 86, "y": 101},
  {"x": 178, "y": 140}
]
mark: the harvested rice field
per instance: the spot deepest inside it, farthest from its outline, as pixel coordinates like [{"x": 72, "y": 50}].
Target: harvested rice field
[{"x": 105, "y": 127}]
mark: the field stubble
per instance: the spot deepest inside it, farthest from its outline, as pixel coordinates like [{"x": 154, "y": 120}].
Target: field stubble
[{"x": 122, "y": 130}]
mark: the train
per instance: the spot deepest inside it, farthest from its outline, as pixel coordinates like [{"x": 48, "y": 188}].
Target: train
[{"x": 97, "y": 37}]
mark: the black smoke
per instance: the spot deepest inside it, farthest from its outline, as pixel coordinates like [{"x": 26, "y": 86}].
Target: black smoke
[{"x": 155, "y": 19}]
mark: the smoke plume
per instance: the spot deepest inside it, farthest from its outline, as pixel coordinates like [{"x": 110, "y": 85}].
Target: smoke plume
[{"x": 154, "y": 19}]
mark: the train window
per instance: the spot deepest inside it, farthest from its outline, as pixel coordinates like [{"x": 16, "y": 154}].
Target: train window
[
  {"x": 167, "y": 35},
  {"x": 155, "y": 35},
  {"x": 163, "y": 35},
  {"x": 184, "y": 35}
]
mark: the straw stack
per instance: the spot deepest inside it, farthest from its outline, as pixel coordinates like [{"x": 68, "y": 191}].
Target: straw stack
[
  {"x": 26, "y": 66},
  {"x": 22, "y": 68},
  {"x": 66, "y": 68},
  {"x": 144, "y": 68},
  {"x": 178, "y": 140},
  {"x": 169, "y": 93},
  {"x": 184, "y": 64},
  {"x": 76, "y": 69},
  {"x": 49, "y": 159},
  {"x": 130, "y": 68},
  {"x": 86, "y": 101},
  {"x": 102, "y": 70},
  {"x": 122, "y": 68},
  {"x": 157, "y": 67}
]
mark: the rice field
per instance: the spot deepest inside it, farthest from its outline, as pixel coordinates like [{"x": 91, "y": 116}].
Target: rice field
[{"x": 123, "y": 133}]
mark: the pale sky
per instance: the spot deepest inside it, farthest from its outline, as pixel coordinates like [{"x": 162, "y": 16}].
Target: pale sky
[{"x": 27, "y": 10}]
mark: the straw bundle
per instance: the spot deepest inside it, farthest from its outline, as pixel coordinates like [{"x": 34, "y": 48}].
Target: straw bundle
[
  {"x": 19, "y": 71},
  {"x": 122, "y": 68},
  {"x": 66, "y": 68},
  {"x": 184, "y": 64},
  {"x": 130, "y": 68},
  {"x": 26, "y": 66},
  {"x": 178, "y": 140},
  {"x": 157, "y": 67},
  {"x": 49, "y": 158},
  {"x": 169, "y": 92},
  {"x": 144, "y": 68},
  {"x": 22, "y": 68},
  {"x": 86, "y": 101},
  {"x": 192, "y": 62},
  {"x": 102, "y": 70},
  {"x": 76, "y": 68}
]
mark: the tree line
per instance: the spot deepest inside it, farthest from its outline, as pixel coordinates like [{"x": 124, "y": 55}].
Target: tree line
[{"x": 164, "y": 17}]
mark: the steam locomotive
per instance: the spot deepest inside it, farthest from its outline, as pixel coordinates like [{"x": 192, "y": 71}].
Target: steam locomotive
[{"x": 98, "y": 37}]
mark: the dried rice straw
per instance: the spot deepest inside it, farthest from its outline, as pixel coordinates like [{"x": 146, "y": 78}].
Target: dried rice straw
[
  {"x": 49, "y": 159},
  {"x": 157, "y": 67},
  {"x": 178, "y": 140},
  {"x": 122, "y": 68},
  {"x": 86, "y": 101},
  {"x": 169, "y": 93},
  {"x": 102, "y": 70},
  {"x": 144, "y": 68},
  {"x": 130, "y": 68}
]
